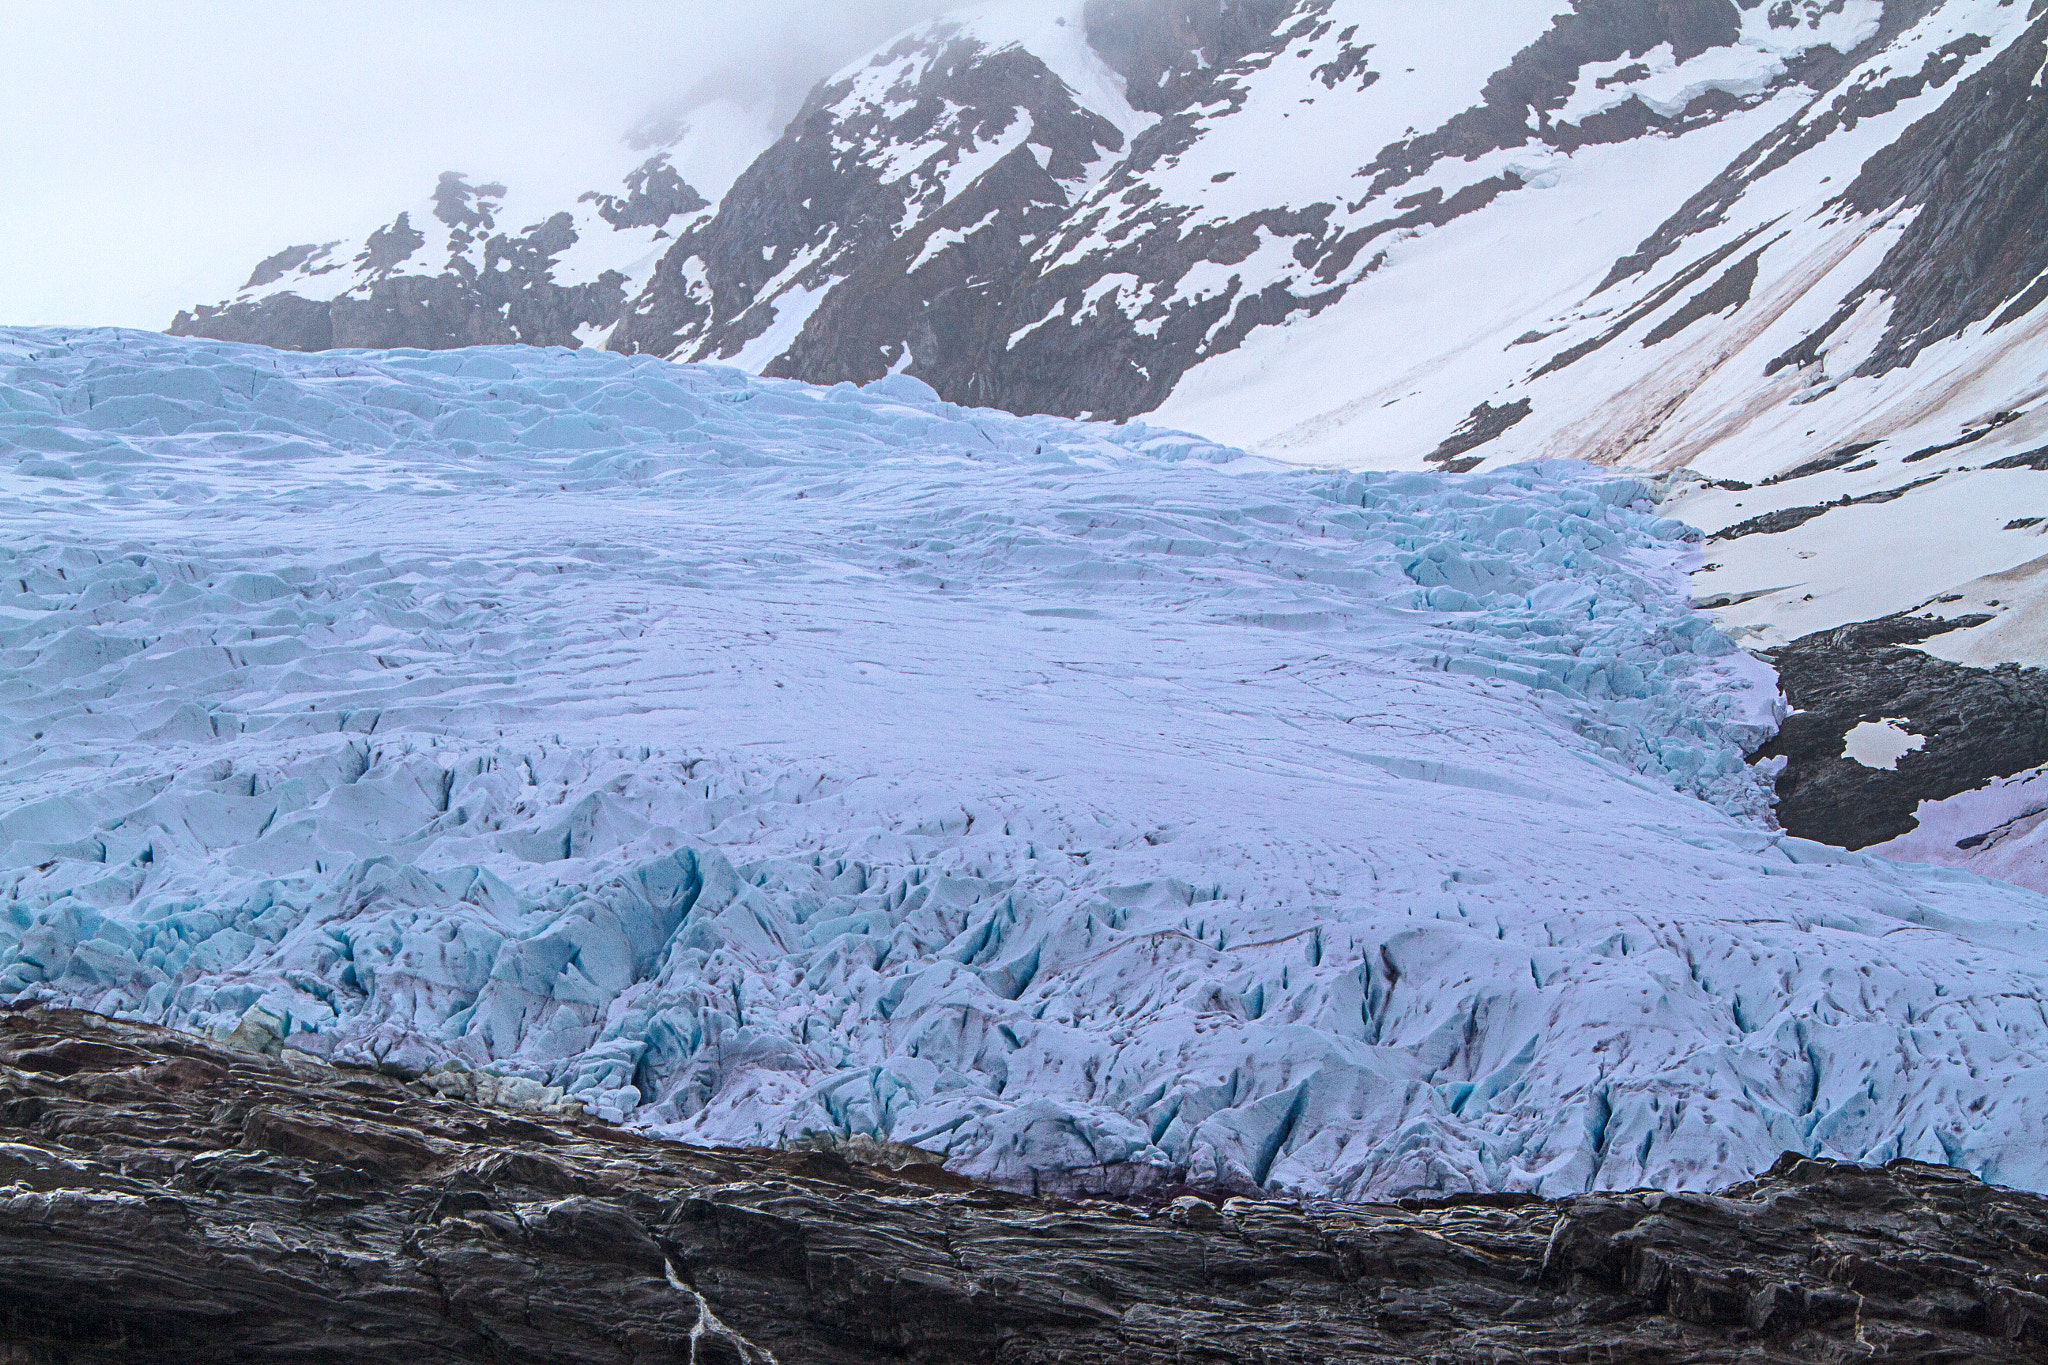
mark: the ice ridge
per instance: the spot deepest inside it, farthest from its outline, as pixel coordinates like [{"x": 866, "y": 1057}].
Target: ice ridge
[{"x": 1092, "y": 804}]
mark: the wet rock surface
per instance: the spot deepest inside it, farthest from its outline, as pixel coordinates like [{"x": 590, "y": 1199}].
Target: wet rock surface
[
  {"x": 173, "y": 1200},
  {"x": 1977, "y": 723}
]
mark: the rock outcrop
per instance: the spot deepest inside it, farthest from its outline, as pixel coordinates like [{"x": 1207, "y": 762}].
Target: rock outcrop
[
  {"x": 172, "y": 1200},
  {"x": 1972, "y": 725}
]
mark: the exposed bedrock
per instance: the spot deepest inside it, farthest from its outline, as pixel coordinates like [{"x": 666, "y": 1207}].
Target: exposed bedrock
[
  {"x": 1975, "y": 724},
  {"x": 1167, "y": 50},
  {"x": 173, "y": 1200}
]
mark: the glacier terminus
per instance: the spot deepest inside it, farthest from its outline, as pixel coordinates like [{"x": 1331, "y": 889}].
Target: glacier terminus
[{"x": 1094, "y": 805}]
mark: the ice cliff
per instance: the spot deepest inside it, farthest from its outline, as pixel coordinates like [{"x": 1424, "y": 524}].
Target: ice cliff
[{"x": 1092, "y": 804}]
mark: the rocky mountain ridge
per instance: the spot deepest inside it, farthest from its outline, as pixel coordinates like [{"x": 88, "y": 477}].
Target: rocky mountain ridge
[
  {"x": 246, "y": 1208},
  {"x": 894, "y": 166}
]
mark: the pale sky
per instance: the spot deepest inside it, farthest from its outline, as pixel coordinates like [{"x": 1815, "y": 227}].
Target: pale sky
[{"x": 155, "y": 150}]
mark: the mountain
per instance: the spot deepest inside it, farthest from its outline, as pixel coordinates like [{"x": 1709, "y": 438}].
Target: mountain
[
  {"x": 453, "y": 269},
  {"x": 1096, "y": 806},
  {"x": 1788, "y": 252}
]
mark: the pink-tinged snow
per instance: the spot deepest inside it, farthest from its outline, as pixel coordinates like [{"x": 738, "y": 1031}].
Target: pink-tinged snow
[
  {"x": 2001, "y": 823},
  {"x": 1380, "y": 378}
]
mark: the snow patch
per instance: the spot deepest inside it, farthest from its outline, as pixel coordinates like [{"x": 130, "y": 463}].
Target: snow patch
[
  {"x": 790, "y": 310},
  {"x": 945, "y": 239},
  {"x": 1667, "y": 86},
  {"x": 1881, "y": 743}
]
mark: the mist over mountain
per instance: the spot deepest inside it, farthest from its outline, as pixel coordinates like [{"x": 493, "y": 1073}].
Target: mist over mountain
[{"x": 166, "y": 149}]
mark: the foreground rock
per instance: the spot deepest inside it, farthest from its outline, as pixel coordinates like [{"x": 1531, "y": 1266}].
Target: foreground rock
[{"x": 173, "y": 1201}]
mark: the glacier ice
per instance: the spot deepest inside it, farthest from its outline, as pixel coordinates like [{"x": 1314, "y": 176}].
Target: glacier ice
[{"x": 1091, "y": 804}]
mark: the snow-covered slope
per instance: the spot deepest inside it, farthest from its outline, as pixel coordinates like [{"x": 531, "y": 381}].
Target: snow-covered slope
[{"x": 1094, "y": 804}]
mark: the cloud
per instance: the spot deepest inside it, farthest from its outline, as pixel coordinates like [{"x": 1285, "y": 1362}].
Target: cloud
[{"x": 154, "y": 152}]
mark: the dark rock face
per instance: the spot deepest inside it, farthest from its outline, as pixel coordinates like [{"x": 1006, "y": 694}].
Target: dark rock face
[
  {"x": 1168, "y": 50},
  {"x": 172, "y": 1201},
  {"x": 1834, "y": 459},
  {"x": 1521, "y": 98},
  {"x": 498, "y": 307},
  {"x": 820, "y": 211},
  {"x": 1685, "y": 279},
  {"x": 1485, "y": 424},
  {"x": 274, "y": 268},
  {"x": 1726, "y": 294},
  {"x": 1978, "y": 723},
  {"x": 654, "y": 194},
  {"x": 285, "y": 321},
  {"x": 1789, "y": 518}
]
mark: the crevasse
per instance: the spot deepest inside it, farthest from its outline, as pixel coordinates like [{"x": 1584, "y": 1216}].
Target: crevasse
[{"x": 1092, "y": 804}]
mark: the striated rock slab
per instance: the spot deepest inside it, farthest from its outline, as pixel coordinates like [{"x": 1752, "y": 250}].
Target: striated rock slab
[{"x": 168, "y": 1200}]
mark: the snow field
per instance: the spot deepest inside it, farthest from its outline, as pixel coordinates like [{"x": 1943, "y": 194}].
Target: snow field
[{"x": 1095, "y": 805}]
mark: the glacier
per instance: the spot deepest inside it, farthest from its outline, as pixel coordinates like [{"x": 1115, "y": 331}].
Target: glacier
[{"x": 1095, "y": 805}]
